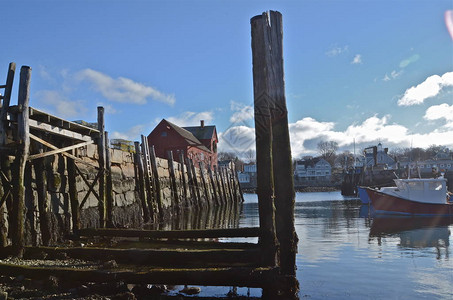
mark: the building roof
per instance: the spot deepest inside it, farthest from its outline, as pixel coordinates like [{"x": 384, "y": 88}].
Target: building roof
[
  {"x": 202, "y": 133},
  {"x": 187, "y": 136},
  {"x": 311, "y": 162}
]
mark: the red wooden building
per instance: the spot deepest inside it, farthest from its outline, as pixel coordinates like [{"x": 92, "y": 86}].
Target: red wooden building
[{"x": 196, "y": 142}]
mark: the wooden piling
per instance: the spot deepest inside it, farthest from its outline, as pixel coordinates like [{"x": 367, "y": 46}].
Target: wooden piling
[
  {"x": 101, "y": 160},
  {"x": 141, "y": 182},
  {"x": 22, "y": 151},
  {"x": 41, "y": 190},
  {"x": 203, "y": 182},
  {"x": 73, "y": 194},
  {"x": 213, "y": 186},
  {"x": 108, "y": 184},
  {"x": 192, "y": 199},
  {"x": 183, "y": 177},
  {"x": 174, "y": 188},
  {"x": 195, "y": 184},
  {"x": 156, "y": 182},
  {"x": 263, "y": 136},
  {"x": 222, "y": 183}
]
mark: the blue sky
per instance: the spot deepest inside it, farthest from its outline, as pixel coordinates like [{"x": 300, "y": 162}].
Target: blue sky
[{"x": 365, "y": 70}]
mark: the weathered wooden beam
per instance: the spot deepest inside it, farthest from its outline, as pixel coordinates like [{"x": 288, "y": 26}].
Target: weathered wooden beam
[
  {"x": 141, "y": 184},
  {"x": 18, "y": 221},
  {"x": 101, "y": 161},
  {"x": 56, "y": 151},
  {"x": 193, "y": 196},
  {"x": 73, "y": 194},
  {"x": 160, "y": 257},
  {"x": 263, "y": 137},
  {"x": 241, "y": 277},
  {"x": 174, "y": 188},
  {"x": 281, "y": 150},
  {"x": 41, "y": 126},
  {"x": 203, "y": 182},
  {"x": 108, "y": 184},
  {"x": 183, "y": 177},
  {"x": 174, "y": 234},
  {"x": 90, "y": 186},
  {"x": 5, "y": 103},
  {"x": 41, "y": 190},
  {"x": 213, "y": 186},
  {"x": 34, "y": 137},
  {"x": 157, "y": 187},
  {"x": 195, "y": 184}
]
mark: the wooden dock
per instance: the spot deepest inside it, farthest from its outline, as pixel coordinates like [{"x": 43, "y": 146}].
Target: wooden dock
[{"x": 196, "y": 257}]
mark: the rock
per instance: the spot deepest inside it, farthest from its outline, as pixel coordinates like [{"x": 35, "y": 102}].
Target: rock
[
  {"x": 193, "y": 290},
  {"x": 124, "y": 296},
  {"x": 3, "y": 295}
]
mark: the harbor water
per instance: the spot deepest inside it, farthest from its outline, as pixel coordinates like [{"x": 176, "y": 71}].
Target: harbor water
[{"x": 343, "y": 253}]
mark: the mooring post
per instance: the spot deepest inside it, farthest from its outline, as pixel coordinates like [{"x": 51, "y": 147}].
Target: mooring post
[
  {"x": 18, "y": 172},
  {"x": 73, "y": 194},
  {"x": 108, "y": 184},
  {"x": 222, "y": 182},
  {"x": 213, "y": 186},
  {"x": 263, "y": 136},
  {"x": 101, "y": 160},
  {"x": 41, "y": 191},
  {"x": 203, "y": 181},
  {"x": 157, "y": 187},
  {"x": 183, "y": 177},
  {"x": 197, "y": 195},
  {"x": 281, "y": 152},
  {"x": 174, "y": 187},
  {"x": 141, "y": 182}
]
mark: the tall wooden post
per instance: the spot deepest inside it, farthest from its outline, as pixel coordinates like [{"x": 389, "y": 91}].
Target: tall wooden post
[
  {"x": 108, "y": 184},
  {"x": 192, "y": 199},
  {"x": 157, "y": 187},
  {"x": 174, "y": 188},
  {"x": 101, "y": 153},
  {"x": 195, "y": 183},
  {"x": 148, "y": 185},
  {"x": 203, "y": 182},
  {"x": 141, "y": 180},
  {"x": 41, "y": 190},
  {"x": 213, "y": 186},
  {"x": 263, "y": 136},
  {"x": 18, "y": 171},
  {"x": 73, "y": 195},
  {"x": 183, "y": 176},
  {"x": 269, "y": 90}
]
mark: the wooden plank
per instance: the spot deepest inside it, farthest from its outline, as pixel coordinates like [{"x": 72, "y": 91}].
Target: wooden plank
[
  {"x": 34, "y": 137},
  {"x": 175, "y": 234},
  {"x": 101, "y": 161},
  {"x": 56, "y": 151},
  {"x": 90, "y": 187},
  {"x": 41, "y": 126},
  {"x": 73, "y": 194},
  {"x": 180, "y": 258},
  {"x": 241, "y": 277},
  {"x": 157, "y": 186},
  {"x": 174, "y": 189},
  {"x": 147, "y": 178},
  {"x": 183, "y": 177},
  {"x": 195, "y": 184},
  {"x": 203, "y": 182},
  {"x": 213, "y": 186}
]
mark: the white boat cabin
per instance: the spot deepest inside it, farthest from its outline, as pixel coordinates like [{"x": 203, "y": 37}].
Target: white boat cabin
[{"x": 426, "y": 190}]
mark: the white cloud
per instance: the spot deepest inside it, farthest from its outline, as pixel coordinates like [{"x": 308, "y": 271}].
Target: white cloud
[
  {"x": 241, "y": 112},
  {"x": 431, "y": 87},
  {"x": 404, "y": 63},
  {"x": 237, "y": 139},
  {"x": 393, "y": 75},
  {"x": 132, "y": 134},
  {"x": 189, "y": 118},
  {"x": 442, "y": 111},
  {"x": 123, "y": 89},
  {"x": 337, "y": 50},
  {"x": 357, "y": 59},
  {"x": 60, "y": 105}
]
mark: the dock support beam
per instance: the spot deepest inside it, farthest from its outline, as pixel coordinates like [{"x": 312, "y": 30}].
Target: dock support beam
[
  {"x": 274, "y": 163},
  {"x": 18, "y": 172}
]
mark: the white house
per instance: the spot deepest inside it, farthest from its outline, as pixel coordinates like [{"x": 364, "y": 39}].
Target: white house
[{"x": 313, "y": 169}]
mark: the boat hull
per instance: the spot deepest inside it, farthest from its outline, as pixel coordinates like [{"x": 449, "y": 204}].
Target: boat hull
[
  {"x": 388, "y": 204},
  {"x": 363, "y": 195}
]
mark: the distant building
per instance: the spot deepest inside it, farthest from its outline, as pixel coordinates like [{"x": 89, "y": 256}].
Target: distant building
[
  {"x": 312, "y": 169},
  {"x": 198, "y": 143},
  {"x": 247, "y": 178},
  {"x": 428, "y": 167},
  {"x": 378, "y": 157}
]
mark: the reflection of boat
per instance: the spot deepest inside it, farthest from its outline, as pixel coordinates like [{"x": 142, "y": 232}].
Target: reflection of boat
[
  {"x": 416, "y": 196},
  {"x": 389, "y": 225},
  {"x": 363, "y": 195}
]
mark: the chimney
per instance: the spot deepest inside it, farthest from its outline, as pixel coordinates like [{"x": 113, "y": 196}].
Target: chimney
[{"x": 202, "y": 123}]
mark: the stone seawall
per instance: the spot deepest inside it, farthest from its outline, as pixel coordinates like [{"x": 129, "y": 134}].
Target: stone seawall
[{"x": 50, "y": 220}]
